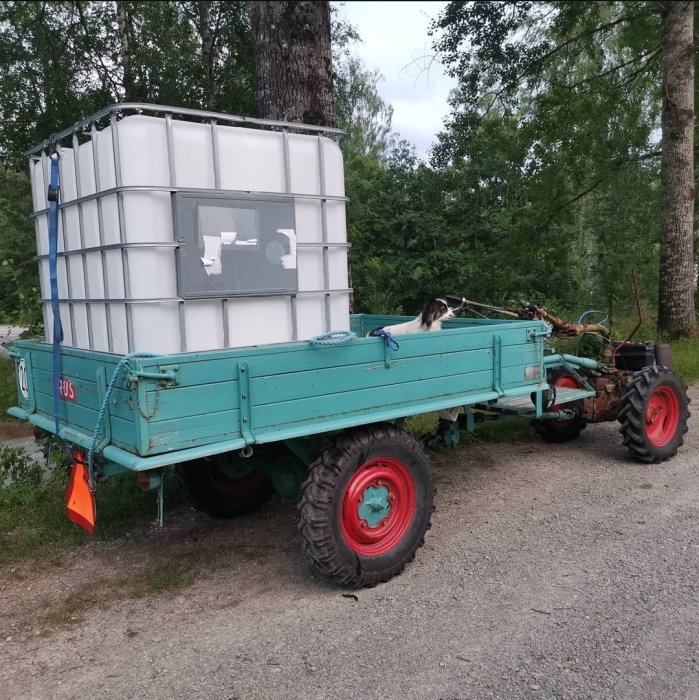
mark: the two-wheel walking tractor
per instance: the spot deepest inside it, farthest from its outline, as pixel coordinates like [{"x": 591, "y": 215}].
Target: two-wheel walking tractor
[{"x": 315, "y": 416}]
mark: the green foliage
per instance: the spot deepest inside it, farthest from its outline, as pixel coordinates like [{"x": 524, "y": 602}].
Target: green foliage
[
  {"x": 544, "y": 184},
  {"x": 19, "y": 276},
  {"x": 63, "y": 60},
  {"x": 8, "y": 386},
  {"x": 17, "y": 467},
  {"x": 33, "y": 520},
  {"x": 361, "y": 112},
  {"x": 504, "y": 429},
  {"x": 553, "y": 146}
]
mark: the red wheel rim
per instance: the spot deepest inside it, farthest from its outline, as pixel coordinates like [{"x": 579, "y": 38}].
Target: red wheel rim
[
  {"x": 567, "y": 381},
  {"x": 386, "y": 485},
  {"x": 662, "y": 416}
]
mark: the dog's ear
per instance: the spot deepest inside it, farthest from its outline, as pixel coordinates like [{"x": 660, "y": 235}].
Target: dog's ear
[
  {"x": 426, "y": 315},
  {"x": 431, "y": 312}
]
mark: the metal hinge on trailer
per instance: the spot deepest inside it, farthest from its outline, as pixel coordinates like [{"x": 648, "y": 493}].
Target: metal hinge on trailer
[
  {"x": 167, "y": 375},
  {"x": 245, "y": 403}
]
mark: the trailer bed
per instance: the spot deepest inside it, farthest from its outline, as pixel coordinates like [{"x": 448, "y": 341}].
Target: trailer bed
[{"x": 176, "y": 407}]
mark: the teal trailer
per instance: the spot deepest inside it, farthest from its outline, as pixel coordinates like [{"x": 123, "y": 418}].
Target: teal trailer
[
  {"x": 167, "y": 409},
  {"x": 321, "y": 423},
  {"x": 153, "y": 237},
  {"x": 241, "y": 423}
]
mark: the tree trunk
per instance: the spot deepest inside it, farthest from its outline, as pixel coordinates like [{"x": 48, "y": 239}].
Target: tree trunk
[
  {"x": 676, "y": 309},
  {"x": 124, "y": 23},
  {"x": 294, "y": 65},
  {"x": 294, "y": 61},
  {"x": 207, "y": 52}
]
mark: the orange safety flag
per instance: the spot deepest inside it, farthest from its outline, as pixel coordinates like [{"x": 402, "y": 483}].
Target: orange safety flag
[{"x": 79, "y": 498}]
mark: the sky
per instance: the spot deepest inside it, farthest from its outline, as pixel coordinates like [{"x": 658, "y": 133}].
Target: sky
[{"x": 394, "y": 40}]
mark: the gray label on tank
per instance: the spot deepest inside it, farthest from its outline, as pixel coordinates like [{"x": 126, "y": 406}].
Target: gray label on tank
[{"x": 235, "y": 246}]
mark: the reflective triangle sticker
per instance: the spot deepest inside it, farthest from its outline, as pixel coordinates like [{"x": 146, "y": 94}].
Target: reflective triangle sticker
[{"x": 79, "y": 498}]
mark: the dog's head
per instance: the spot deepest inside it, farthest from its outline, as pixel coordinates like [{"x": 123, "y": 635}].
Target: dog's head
[{"x": 435, "y": 310}]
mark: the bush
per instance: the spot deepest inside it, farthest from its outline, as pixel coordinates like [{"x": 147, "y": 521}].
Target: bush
[
  {"x": 17, "y": 467},
  {"x": 8, "y": 386}
]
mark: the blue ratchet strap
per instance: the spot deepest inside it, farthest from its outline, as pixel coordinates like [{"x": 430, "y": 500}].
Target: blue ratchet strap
[
  {"x": 53, "y": 276},
  {"x": 388, "y": 338}
]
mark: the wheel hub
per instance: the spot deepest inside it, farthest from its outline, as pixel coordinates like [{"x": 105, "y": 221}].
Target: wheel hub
[{"x": 375, "y": 505}]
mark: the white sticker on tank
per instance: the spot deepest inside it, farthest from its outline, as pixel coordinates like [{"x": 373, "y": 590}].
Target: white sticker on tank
[
  {"x": 212, "y": 255},
  {"x": 289, "y": 261}
]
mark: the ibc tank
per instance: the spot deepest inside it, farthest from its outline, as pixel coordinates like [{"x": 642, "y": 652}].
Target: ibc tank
[{"x": 182, "y": 230}]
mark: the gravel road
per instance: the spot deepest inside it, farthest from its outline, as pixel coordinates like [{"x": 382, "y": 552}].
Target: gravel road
[{"x": 551, "y": 571}]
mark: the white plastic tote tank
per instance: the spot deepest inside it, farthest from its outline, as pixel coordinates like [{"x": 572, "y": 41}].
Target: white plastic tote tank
[{"x": 193, "y": 231}]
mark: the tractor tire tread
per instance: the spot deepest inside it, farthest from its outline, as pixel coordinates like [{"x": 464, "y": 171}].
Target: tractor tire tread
[
  {"x": 316, "y": 505},
  {"x": 203, "y": 497},
  {"x": 632, "y": 414}
]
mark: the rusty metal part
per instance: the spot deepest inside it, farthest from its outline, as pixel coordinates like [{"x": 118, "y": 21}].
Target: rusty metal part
[
  {"x": 569, "y": 330},
  {"x": 604, "y": 405},
  {"x": 466, "y": 303},
  {"x": 560, "y": 327},
  {"x": 637, "y": 294},
  {"x": 530, "y": 312},
  {"x": 607, "y": 355}
]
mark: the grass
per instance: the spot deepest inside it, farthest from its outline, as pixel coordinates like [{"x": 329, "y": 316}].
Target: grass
[
  {"x": 166, "y": 578},
  {"x": 685, "y": 359},
  {"x": 177, "y": 571},
  {"x": 505, "y": 429},
  {"x": 33, "y": 521}
]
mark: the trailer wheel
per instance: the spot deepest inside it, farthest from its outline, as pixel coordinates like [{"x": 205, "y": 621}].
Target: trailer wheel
[
  {"x": 210, "y": 489},
  {"x": 560, "y": 430},
  {"x": 366, "y": 505},
  {"x": 654, "y": 413}
]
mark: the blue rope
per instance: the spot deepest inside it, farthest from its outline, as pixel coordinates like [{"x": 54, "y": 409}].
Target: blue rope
[
  {"x": 333, "y": 338},
  {"x": 123, "y": 362},
  {"x": 54, "y": 186},
  {"x": 388, "y": 338},
  {"x": 593, "y": 311}
]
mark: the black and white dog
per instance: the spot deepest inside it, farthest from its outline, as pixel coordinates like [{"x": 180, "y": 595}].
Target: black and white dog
[{"x": 430, "y": 319}]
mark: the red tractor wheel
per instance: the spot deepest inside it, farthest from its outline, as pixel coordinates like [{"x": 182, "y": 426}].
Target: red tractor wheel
[
  {"x": 561, "y": 430},
  {"x": 653, "y": 415},
  {"x": 366, "y": 505},
  {"x": 214, "y": 485}
]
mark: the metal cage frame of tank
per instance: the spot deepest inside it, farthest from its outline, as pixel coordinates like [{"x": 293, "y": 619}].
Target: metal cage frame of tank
[{"x": 88, "y": 128}]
